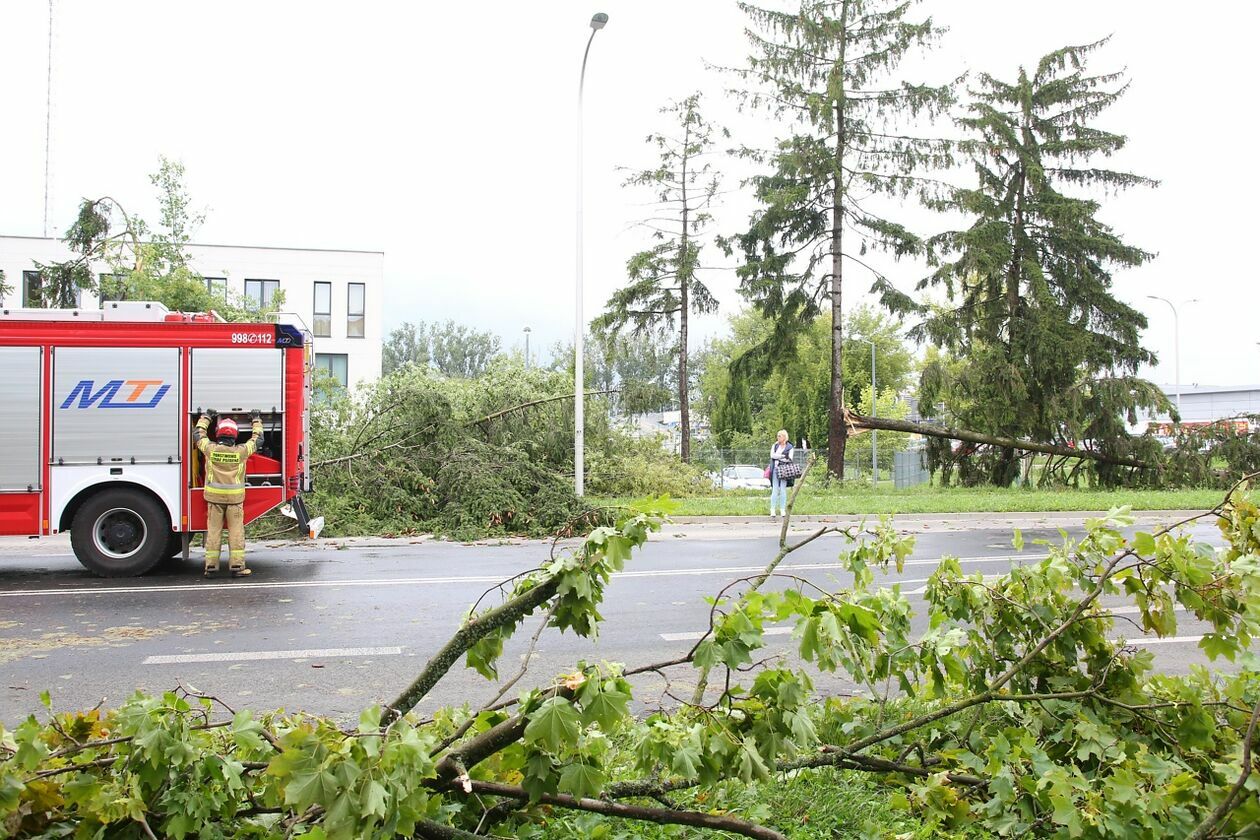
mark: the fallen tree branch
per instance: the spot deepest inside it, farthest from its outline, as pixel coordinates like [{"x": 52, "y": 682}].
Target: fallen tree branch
[
  {"x": 660, "y": 816},
  {"x": 1221, "y": 811},
  {"x": 473, "y": 630},
  {"x": 496, "y": 415},
  {"x": 884, "y": 424}
]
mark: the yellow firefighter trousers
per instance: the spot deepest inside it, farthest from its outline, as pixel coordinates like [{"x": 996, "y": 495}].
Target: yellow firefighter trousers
[{"x": 233, "y": 516}]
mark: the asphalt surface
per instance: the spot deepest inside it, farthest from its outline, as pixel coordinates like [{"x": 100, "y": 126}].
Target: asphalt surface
[{"x": 335, "y": 626}]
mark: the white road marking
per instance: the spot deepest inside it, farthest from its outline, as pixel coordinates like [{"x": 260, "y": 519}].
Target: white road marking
[
  {"x": 697, "y": 636},
  {"x": 421, "y": 581},
  {"x": 1153, "y": 640},
  {"x": 257, "y": 655},
  {"x": 1134, "y": 610}
]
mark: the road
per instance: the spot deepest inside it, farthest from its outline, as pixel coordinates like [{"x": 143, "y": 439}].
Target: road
[{"x": 339, "y": 625}]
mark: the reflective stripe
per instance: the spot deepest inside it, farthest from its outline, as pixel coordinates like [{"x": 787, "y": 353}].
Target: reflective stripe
[{"x": 214, "y": 486}]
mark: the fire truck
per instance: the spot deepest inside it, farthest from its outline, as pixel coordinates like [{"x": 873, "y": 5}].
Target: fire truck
[{"x": 97, "y": 409}]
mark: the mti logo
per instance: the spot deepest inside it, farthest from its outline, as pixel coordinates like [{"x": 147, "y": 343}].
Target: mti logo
[{"x": 132, "y": 393}]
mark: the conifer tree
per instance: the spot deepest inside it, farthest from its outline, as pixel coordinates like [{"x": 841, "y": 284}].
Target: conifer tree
[
  {"x": 829, "y": 68},
  {"x": 1048, "y": 351},
  {"x": 664, "y": 285}
]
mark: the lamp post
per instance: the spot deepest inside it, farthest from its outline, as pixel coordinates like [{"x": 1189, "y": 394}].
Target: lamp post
[
  {"x": 579, "y": 396},
  {"x": 1176, "y": 346},
  {"x": 527, "y": 348},
  {"x": 874, "y": 413}
]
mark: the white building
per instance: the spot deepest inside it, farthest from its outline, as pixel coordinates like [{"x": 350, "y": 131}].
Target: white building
[
  {"x": 1203, "y": 405},
  {"x": 337, "y": 293}
]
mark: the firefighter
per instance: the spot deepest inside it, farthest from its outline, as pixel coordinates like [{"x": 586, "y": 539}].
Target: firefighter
[{"x": 225, "y": 488}]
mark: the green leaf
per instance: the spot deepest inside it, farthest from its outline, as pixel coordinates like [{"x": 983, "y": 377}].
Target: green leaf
[
  {"x": 686, "y": 760},
  {"x": 375, "y": 798},
  {"x": 581, "y": 780},
  {"x": 554, "y": 725},
  {"x": 247, "y": 732},
  {"x": 1144, "y": 543},
  {"x": 1216, "y": 645},
  {"x": 539, "y": 776},
  {"x": 370, "y": 720},
  {"x": 749, "y": 762},
  {"x": 604, "y": 702}
]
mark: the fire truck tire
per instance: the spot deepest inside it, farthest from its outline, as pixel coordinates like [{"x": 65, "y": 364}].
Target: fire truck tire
[
  {"x": 120, "y": 533},
  {"x": 174, "y": 546}
]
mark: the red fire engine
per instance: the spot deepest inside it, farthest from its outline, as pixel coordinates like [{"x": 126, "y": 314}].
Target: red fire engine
[{"x": 97, "y": 409}]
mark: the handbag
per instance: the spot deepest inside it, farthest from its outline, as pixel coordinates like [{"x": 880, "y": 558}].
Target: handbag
[
  {"x": 790, "y": 470},
  {"x": 767, "y": 473}
]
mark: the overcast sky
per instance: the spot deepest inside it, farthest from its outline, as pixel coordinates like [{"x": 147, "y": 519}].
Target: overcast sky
[{"x": 443, "y": 134}]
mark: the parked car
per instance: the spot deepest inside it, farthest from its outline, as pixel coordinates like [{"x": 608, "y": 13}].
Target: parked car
[{"x": 743, "y": 477}]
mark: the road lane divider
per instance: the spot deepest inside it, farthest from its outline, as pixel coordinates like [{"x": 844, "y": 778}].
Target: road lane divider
[
  {"x": 261, "y": 655},
  {"x": 206, "y": 586}
]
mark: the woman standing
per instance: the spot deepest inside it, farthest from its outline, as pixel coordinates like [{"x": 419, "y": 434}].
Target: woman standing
[{"x": 780, "y": 453}]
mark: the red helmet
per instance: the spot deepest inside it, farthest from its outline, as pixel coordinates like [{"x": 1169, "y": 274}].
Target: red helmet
[{"x": 227, "y": 427}]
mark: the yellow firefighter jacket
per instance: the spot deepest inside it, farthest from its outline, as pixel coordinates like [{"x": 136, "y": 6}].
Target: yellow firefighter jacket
[{"x": 225, "y": 465}]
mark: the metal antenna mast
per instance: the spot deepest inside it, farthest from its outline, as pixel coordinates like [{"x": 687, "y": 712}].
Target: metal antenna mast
[{"x": 48, "y": 115}]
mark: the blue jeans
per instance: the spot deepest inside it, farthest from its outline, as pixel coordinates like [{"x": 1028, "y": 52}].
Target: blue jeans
[{"x": 778, "y": 491}]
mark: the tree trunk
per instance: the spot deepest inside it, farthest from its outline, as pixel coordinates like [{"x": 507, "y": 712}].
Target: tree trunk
[
  {"x": 862, "y": 422},
  {"x": 837, "y": 430},
  {"x": 1005, "y": 470}
]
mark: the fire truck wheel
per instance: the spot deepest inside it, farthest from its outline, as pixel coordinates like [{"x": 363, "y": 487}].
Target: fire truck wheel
[
  {"x": 174, "y": 546},
  {"x": 120, "y": 533}
]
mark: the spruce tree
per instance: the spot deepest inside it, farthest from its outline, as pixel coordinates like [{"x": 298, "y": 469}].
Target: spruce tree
[
  {"x": 664, "y": 284},
  {"x": 1048, "y": 352},
  {"x": 830, "y": 70}
]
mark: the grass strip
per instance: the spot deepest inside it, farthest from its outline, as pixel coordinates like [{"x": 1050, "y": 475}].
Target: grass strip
[{"x": 920, "y": 500}]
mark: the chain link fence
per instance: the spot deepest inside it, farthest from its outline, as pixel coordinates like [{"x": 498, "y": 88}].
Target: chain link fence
[{"x": 735, "y": 469}]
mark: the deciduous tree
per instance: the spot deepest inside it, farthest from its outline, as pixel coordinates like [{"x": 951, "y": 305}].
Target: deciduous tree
[
  {"x": 450, "y": 348},
  {"x": 144, "y": 263}
]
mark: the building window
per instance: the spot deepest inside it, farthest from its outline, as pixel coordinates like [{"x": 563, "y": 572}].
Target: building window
[
  {"x": 354, "y": 310},
  {"x": 260, "y": 292},
  {"x": 32, "y": 289},
  {"x": 336, "y": 364},
  {"x": 112, "y": 287},
  {"x": 217, "y": 287},
  {"x": 322, "y": 326}
]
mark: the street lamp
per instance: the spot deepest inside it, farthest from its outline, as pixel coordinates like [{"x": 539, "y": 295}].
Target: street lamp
[
  {"x": 527, "y": 348},
  {"x": 579, "y": 395},
  {"x": 874, "y": 413},
  {"x": 1176, "y": 345}
]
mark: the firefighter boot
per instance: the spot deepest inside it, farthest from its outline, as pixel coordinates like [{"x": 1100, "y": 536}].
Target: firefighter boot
[
  {"x": 214, "y": 537},
  {"x": 235, "y": 515}
]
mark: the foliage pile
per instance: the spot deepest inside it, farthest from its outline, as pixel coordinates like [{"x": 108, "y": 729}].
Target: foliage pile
[
  {"x": 1214, "y": 456},
  {"x": 1016, "y": 711},
  {"x": 419, "y": 452},
  {"x": 642, "y": 467}
]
